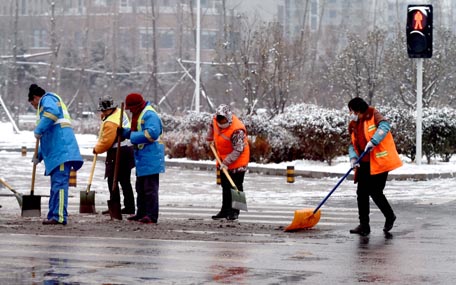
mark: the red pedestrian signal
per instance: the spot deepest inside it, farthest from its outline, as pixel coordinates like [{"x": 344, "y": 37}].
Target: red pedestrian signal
[
  {"x": 418, "y": 21},
  {"x": 419, "y": 31}
]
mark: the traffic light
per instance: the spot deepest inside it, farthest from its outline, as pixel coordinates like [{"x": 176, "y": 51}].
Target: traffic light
[{"x": 419, "y": 31}]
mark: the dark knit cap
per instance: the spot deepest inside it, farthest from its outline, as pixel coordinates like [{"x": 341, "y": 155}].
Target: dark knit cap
[
  {"x": 134, "y": 100},
  {"x": 35, "y": 90},
  {"x": 358, "y": 105}
]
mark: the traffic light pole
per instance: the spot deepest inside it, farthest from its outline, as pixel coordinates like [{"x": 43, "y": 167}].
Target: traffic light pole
[{"x": 419, "y": 107}]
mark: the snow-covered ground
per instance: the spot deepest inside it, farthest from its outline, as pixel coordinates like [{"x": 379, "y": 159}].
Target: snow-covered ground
[{"x": 195, "y": 187}]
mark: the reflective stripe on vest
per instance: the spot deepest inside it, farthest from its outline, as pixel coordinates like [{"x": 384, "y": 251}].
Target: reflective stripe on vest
[
  {"x": 222, "y": 139},
  {"x": 147, "y": 108},
  {"x": 115, "y": 118},
  {"x": 65, "y": 121},
  {"x": 383, "y": 157}
]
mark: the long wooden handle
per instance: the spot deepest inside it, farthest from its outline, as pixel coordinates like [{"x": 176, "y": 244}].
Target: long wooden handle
[
  {"x": 116, "y": 165},
  {"x": 8, "y": 186},
  {"x": 223, "y": 169},
  {"x": 92, "y": 171},
  {"x": 35, "y": 155}
]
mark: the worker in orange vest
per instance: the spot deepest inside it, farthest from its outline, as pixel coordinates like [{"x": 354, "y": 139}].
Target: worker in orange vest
[
  {"x": 370, "y": 133},
  {"x": 230, "y": 137}
]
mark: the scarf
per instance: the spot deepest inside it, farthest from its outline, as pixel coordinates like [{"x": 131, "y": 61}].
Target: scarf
[{"x": 135, "y": 112}]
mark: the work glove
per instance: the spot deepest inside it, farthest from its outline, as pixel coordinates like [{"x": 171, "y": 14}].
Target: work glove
[
  {"x": 354, "y": 163},
  {"x": 93, "y": 151},
  {"x": 369, "y": 146},
  {"x": 35, "y": 160},
  {"x": 37, "y": 136},
  {"x": 223, "y": 166}
]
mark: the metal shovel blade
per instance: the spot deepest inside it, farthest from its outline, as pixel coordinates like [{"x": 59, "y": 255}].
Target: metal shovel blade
[
  {"x": 238, "y": 200},
  {"x": 31, "y": 206},
  {"x": 16, "y": 194},
  {"x": 87, "y": 202},
  {"x": 114, "y": 210},
  {"x": 303, "y": 219}
]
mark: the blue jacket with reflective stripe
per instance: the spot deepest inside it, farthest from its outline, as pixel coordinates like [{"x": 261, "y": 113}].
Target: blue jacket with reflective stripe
[
  {"x": 149, "y": 150},
  {"x": 58, "y": 143}
]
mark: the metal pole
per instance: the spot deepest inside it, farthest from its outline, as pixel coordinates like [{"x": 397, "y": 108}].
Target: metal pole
[
  {"x": 419, "y": 107},
  {"x": 197, "y": 68}
]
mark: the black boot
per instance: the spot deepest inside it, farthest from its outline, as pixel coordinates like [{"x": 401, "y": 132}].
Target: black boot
[
  {"x": 220, "y": 215},
  {"x": 389, "y": 224},
  {"x": 233, "y": 215},
  {"x": 361, "y": 230}
]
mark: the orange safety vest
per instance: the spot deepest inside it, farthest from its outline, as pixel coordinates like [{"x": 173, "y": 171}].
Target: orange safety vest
[
  {"x": 383, "y": 157},
  {"x": 222, "y": 139}
]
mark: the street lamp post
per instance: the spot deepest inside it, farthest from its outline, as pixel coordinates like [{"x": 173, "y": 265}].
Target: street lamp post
[{"x": 198, "y": 59}]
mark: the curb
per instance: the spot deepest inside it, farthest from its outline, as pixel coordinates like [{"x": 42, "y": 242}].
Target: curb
[{"x": 210, "y": 166}]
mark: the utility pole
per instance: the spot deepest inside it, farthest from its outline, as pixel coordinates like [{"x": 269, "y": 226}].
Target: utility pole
[
  {"x": 198, "y": 59},
  {"x": 154, "y": 54}
]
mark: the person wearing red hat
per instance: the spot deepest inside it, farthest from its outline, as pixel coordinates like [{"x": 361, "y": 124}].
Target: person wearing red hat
[{"x": 145, "y": 133}]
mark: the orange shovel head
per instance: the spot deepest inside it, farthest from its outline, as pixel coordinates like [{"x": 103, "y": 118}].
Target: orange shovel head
[{"x": 303, "y": 219}]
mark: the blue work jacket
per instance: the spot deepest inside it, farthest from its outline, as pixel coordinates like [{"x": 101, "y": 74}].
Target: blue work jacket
[
  {"x": 57, "y": 143},
  {"x": 149, "y": 149}
]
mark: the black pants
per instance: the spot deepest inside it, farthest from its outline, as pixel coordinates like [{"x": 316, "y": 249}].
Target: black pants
[
  {"x": 123, "y": 176},
  {"x": 127, "y": 190},
  {"x": 147, "y": 196},
  {"x": 238, "y": 179},
  {"x": 371, "y": 186}
]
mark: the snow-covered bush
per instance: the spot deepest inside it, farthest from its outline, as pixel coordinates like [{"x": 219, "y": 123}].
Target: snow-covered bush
[
  {"x": 185, "y": 136},
  {"x": 321, "y": 133},
  {"x": 439, "y": 133},
  {"x": 310, "y": 132},
  {"x": 270, "y": 141},
  {"x": 403, "y": 129}
]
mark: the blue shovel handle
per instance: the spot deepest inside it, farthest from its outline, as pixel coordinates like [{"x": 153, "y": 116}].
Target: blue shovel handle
[{"x": 340, "y": 181}]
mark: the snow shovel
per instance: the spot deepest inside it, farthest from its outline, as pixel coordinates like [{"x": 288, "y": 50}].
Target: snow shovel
[
  {"x": 307, "y": 218},
  {"x": 114, "y": 206},
  {"x": 238, "y": 200},
  {"x": 31, "y": 204},
  {"x": 87, "y": 198},
  {"x": 16, "y": 194}
]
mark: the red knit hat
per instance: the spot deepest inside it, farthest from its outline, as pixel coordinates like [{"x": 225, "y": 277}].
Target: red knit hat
[{"x": 134, "y": 100}]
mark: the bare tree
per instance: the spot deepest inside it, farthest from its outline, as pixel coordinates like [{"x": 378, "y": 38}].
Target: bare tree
[
  {"x": 263, "y": 66},
  {"x": 358, "y": 70},
  {"x": 439, "y": 73}
]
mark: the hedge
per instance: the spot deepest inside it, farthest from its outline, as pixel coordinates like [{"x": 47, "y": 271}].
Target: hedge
[{"x": 313, "y": 133}]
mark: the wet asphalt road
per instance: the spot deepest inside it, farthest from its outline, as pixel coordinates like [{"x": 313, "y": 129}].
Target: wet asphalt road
[{"x": 420, "y": 250}]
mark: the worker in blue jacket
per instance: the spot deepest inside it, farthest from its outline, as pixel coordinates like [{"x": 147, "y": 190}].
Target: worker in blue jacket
[
  {"x": 58, "y": 148},
  {"x": 145, "y": 135}
]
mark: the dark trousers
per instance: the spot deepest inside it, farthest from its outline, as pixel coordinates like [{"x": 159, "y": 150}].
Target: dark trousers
[
  {"x": 147, "y": 196},
  {"x": 371, "y": 186},
  {"x": 238, "y": 179},
  {"x": 126, "y": 163},
  {"x": 127, "y": 190}
]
